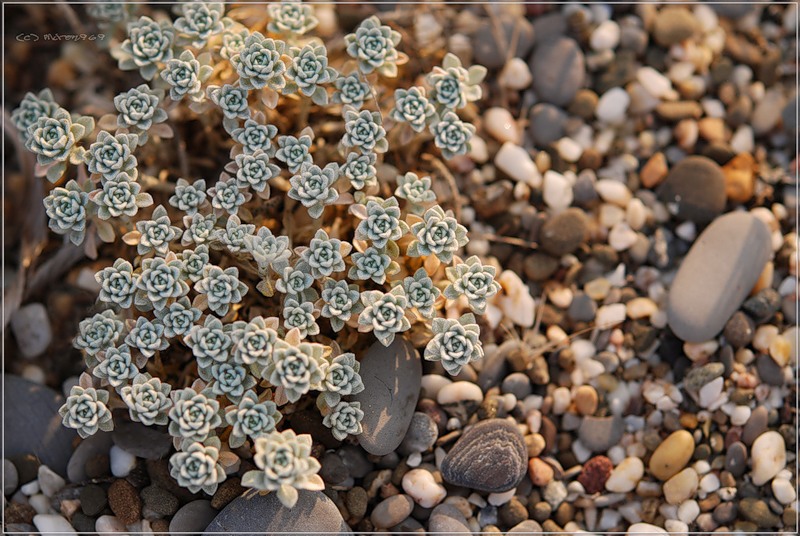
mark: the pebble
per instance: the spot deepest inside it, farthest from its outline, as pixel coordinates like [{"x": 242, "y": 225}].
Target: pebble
[
  {"x": 584, "y": 104},
  {"x": 612, "y": 106},
  {"x": 558, "y": 70},
  {"x": 421, "y": 435},
  {"x": 716, "y": 275},
  {"x": 700, "y": 376},
  {"x": 448, "y": 519},
  {"x": 392, "y": 376},
  {"x": 540, "y": 472},
  {"x": 515, "y": 162},
  {"x": 125, "y": 502},
  {"x": 30, "y": 325},
  {"x": 391, "y": 511},
  {"x": 610, "y": 315},
  {"x": 490, "y": 456},
  {"x": 783, "y": 491},
  {"x": 52, "y": 524},
  {"x": 159, "y": 501},
  {"x": 122, "y": 463},
  {"x": 10, "y": 477},
  {"x": 93, "y": 499},
  {"x": 563, "y": 233},
  {"x": 605, "y": 36},
  {"x": 517, "y": 304},
  {"x": 142, "y": 441},
  {"x": 515, "y": 74},
  {"x": 739, "y": 330},
  {"x": 646, "y": 529},
  {"x": 32, "y": 424},
  {"x": 423, "y": 488},
  {"x": 758, "y": 512},
  {"x": 696, "y": 186},
  {"x": 582, "y": 308},
  {"x": 109, "y": 525},
  {"x": 613, "y": 191},
  {"x": 625, "y": 476},
  {"x": 673, "y": 25},
  {"x": 681, "y": 486},
  {"x": 546, "y": 123},
  {"x": 595, "y": 473},
  {"x": 598, "y": 434},
  {"x": 49, "y": 482},
  {"x": 755, "y": 425},
  {"x": 491, "y": 54},
  {"x": 556, "y": 191},
  {"x": 767, "y": 112},
  {"x": 501, "y": 125},
  {"x": 456, "y": 392},
  {"x": 736, "y": 459},
  {"x": 586, "y": 400},
  {"x": 768, "y": 457},
  {"x": 654, "y": 82},
  {"x": 528, "y": 526},
  {"x": 674, "y": 111},
  {"x": 672, "y": 455},
  {"x": 621, "y": 236}
]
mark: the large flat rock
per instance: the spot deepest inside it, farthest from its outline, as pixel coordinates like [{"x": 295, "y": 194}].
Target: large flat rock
[{"x": 717, "y": 275}]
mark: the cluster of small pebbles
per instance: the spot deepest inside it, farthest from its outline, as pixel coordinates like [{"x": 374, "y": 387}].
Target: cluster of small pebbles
[{"x": 633, "y": 179}]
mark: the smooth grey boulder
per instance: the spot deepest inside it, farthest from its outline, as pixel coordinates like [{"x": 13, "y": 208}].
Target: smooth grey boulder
[
  {"x": 558, "y": 69},
  {"x": 314, "y": 513},
  {"x": 32, "y": 425},
  {"x": 717, "y": 275},
  {"x": 392, "y": 376}
]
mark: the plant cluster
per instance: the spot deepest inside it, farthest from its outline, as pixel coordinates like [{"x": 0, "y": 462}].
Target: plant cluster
[{"x": 370, "y": 263}]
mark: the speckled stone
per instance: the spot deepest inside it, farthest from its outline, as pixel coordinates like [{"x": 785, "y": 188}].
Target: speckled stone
[
  {"x": 755, "y": 425},
  {"x": 491, "y": 456},
  {"x": 739, "y": 330},
  {"x": 558, "y": 69},
  {"x": 446, "y": 518},
  {"x": 699, "y": 376},
  {"x": 696, "y": 185},
  {"x": 564, "y": 232},
  {"x": 758, "y": 512}
]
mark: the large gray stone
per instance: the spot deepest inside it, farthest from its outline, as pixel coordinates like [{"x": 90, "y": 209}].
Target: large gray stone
[
  {"x": 392, "y": 376},
  {"x": 314, "y": 513},
  {"x": 716, "y": 275},
  {"x": 32, "y": 425},
  {"x": 558, "y": 69}
]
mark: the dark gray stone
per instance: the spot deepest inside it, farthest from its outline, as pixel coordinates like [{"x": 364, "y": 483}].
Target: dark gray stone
[
  {"x": 90, "y": 448},
  {"x": 696, "y": 185},
  {"x": 564, "y": 232},
  {"x": 599, "y": 434},
  {"x": 314, "y": 513},
  {"x": 736, "y": 459},
  {"x": 392, "y": 376},
  {"x": 447, "y": 519},
  {"x": 490, "y": 456},
  {"x": 549, "y": 26},
  {"x": 716, "y": 275},
  {"x": 93, "y": 500},
  {"x": 769, "y": 371},
  {"x": 32, "y": 425},
  {"x": 10, "y": 477},
  {"x": 699, "y": 376},
  {"x": 739, "y": 330},
  {"x": 421, "y": 435},
  {"x": 546, "y": 123},
  {"x": 763, "y": 305},
  {"x": 789, "y": 116},
  {"x": 142, "y": 441},
  {"x": 755, "y": 425},
  {"x": 198, "y": 516},
  {"x": 491, "y": 54},
  {"x": 582, "y": 308},
  {"x": 558, "y": 69}
]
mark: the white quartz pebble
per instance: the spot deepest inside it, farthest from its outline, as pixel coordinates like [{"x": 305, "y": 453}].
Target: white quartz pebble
[{"x": 421, "y": 486}]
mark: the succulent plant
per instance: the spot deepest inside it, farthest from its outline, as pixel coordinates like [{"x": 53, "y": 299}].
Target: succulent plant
[
  {"x": 199, "y": 229},
  {"x": 313, "y": 187},
  {"x": 307, "y": 71},
  {"x": 295, "y": 367},
  {"x": 416, "y": 190},
  {"x": 253, "y": 342},
  {"x": 341, "y": 301},
  {"x": 360, "y": 170},
  {"x": 156, "y": 234},
  {"x": 147, "y": 399},
  {"x": 351, "y": 90},
  {"x": 195, "y": 262},
  {"x": 178, "y": 318},
  {"x": 375, "y": 47},
  {"x": 294, "y": 152},
  {"x": 98, "y": 333},
  {"x": 259, "y": 63},
  {"x": 413, "y": 107},
  {"x": 233, "y": 41},
  {"x": 384, "y": 313},
  {"x": 149, "y": 44},
  {"x": 344, "y": 419},
  {"x": 117, "y": 284},
  {"x": 234, "y": 234},
  {"x": 372, "y": 264},
  {"x": 147, "y": 337},
  {"x": 66, "y": 211},
  {"x": 210, "y": 343},
  {"x": 341, "y": 379},
  {"x": 268, "y": 250},
  {"x": 106, "y": 14},
  {"x": 185, "y": 77},
  {"x": 251, "y": 418},
  {"x": 421, "y": 292},
  {"x": 138, "y": 110},
  {"x": 230, "y": 380},
  {"x": 473, "y": 280},
  {"x": 221, "y": 288},
  {"x": 199, "y": 21},
  {"x": 300, "y": 316},
  {"x": 382, "y": 223},
  {"x": 193, "y": 415},
  {"x": 122, "y": 196},
  {"x": 254, "y": 170},
  {"x": 111, "y": 155},
  {"x": 53, "y": 138},
  {"x": 363, "y": 131},
  {"x": 255, "y": 137},
  {"x": 452, "y": 135},
  {"x": 160, "y": 281},
  {"x": 453, "y": 86},
  {"x": 324, "y": 255},
  {"x": 438, "y": 234},
  {"x": 116, "y": 366},
  {"x": 196, "y": 467},
  {"x": 294, "y": 282},
  {"x": 455, "y": 343},
  {"x": 85, "y": 410},
  {"x": 189, "y": 197},
  {"x": 284, "y": 465},
  {"x": 291, "y": 17},
  {"x": 31, "y": 109},
  {"x": 227, "y": 196},
  {"x": 232, "y": 101}
]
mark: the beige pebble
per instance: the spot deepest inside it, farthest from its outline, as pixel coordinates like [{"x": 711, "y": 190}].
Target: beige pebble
[
  {"x": 597, "y": 289},
  {"x": 697, "y": 351},
  {"x": 712, "y": 129},
  {"x": 681, "y": 486},
  {"x": 515, "y": 75},
  {"x": 641, "y": 308},
  {"x": 780, "y": 349},
  {"x": 739, "y": 178},
  {"x": 764, "y": 280},
  {"x": 768, "y": 456},
  {"x": 764, "y": 336},
  {"x": 540, "y": 472},
  {"x": 501, "y": 125},
  {"x": 586, "y": 400},
  {"x": 672, "y": 455},
  {"x": 626, "y": 475}
]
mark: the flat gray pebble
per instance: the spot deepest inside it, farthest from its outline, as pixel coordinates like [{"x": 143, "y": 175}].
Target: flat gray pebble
[
  {"x": 90, "y": 448},
  {"x": 546, "y": 123},
  {"x": 142, "y": 441},
  {"x": 391, "y": 511},
  {"x": 736, "y": 459},
  {"x": 447, "y": 519},
  {"x": 599, "y": 434},
  {"x": 755, "y": 425},
  {"x": 421, "y": 435},
  {"x": 197, "y": 516},
  {"x": 491, "y": 54},
  {"x": 696, "y": 185},
  {"x": 10, "y": 477},
  {"x": 558, "y": 69},
  {"x": 564, "y": 232}
]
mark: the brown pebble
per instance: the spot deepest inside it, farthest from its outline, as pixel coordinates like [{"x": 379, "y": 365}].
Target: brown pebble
[
  {"x": 19, "y": 513},
  {"x": 356, "y": 502},
  {"x": 712, "y": 129},
  {"x": 739, "y": 178},
  {"x": 584, "y": 104},
  {"x": 586, "y": 400},
  {"x": 512, "y": 513},
  {"x": 125, "y": 502},
  {"x": 227, "y": 492},
  {"x": 540, "y": 472},
  {"x": 595, "y": 473},
  {"x": 674, "y": 111},
  {"x": 654, "y": 171},
  {"x": 160, "y": 526}
]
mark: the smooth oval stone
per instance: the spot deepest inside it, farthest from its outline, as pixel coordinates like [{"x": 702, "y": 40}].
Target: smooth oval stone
[
  {"x": 493, "y": 56},
  {"x": 755, "y": 425},
  {"x": 546, "y": 123},
  {"x": 392, "y": 377},
  {"x": 313, "y": 513},
  {"x": 32, "y": 425},
  {"x": 558, "y": 69},
  {"x": 447, "y": 519},
  {"x": 697, "y": 186},
  {"x": 599, "y": 434},
  {"x": 93, "y": 446},
  {"x": 491, "y": 456},
  {"x": 142, "y": 441},
  {"x": 736, "y": 459},
  {"x": 716, "y": 275},
  {"x": 564, "y": 232},
  {"x": 672, "y": 455}
]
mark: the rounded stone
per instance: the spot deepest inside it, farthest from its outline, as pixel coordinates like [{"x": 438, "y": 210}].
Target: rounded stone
[
  {"x": 586, "y": 400},
  {"x": 448, "y": 519},
  {"x": 392, "y": 511},
  {"x": 626, "y": 475},
  {"x": 768, "y": 456},
  {"x": 696, "y": 185},
  {"x": 421, "y": 435},
  {"x": 672, "y": 455},
  {"x": 558, "y": 69},
  {"x": 546, "y": 123},
  {"x": 491, "y": 54},
  {"x": 490, "y": 456},
  {"x": 755, "y": 425},
  {"x": 739, "y": 330},
  {"x": 599, "y": 434},
  {"x": 736, "y": 459},
  {"x": 595, "y": 473},
  {"x": 125, "y": 502},
  {"x": 564, "y": 232},
  {"x": 672, "y": 25}
]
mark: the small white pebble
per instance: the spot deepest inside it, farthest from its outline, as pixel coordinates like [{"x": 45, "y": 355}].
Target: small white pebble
[
  {"x": 653, "y": 82},
  {"x": 501, "y": 125},
  {"x": 41, "y": 504},
  {"x": 568, "y": 149},
  {"x": 52, "y": 524},
  {"x": 515, "y": 162},
  {"x": 109, "y": 525},
  {"x": 610, "y": 315},
  {"x": 31, "y": 488},
  {"x": 740, "y": 415},
  {"x": 421, "y": 486},
  {"x": 414, "y": 459},
  {"x": 50, "y": 482},
  {"x": 621, "y": 237},
  {"x": 612, "y": 106},
  {"x": 478, "y": 150},
  {"x": 709, "y": 483},
  {"x": 613, "y": 191},
  {"x": 561, "y": 400},
  {"x": 515, "y": 74},
  {"x": 499, "y": 499},
  {"x": 122, "y": 462},
  {"x": 783, "y": 491},
  {"x": 459, "y": 392},
  {"x": 688, "y": 511},
  {"x": 605, "y": 36},
  {"x": 557, "y": 191}
]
